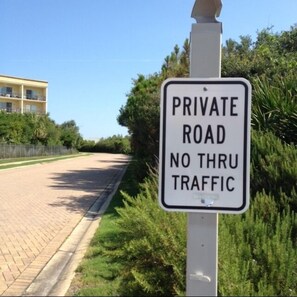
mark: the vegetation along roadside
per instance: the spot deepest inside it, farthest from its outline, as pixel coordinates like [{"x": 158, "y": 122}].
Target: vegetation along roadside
[
  {"x": 140, "y": 250},
  {"x": 18, "y": 162}
]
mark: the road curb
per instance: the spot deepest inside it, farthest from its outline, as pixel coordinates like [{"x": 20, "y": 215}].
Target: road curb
[{"x": 55, "y": 278}]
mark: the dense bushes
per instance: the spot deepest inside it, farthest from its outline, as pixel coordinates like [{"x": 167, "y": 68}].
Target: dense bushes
[
  {"x": 274, "y": 168},
  {"x": 35, "y": 129},
  {"x": 41, "y": 130},
  {"x": 113, "y": 144},
  {"x": 257, "y": 250},
  {"x": 270, "y": 55},
  {"x": 150, "y": 246},
  {"x": 274, "y": 106},
  {"x": 270, "y": 63},
  {"x": 141, "y": 116}
]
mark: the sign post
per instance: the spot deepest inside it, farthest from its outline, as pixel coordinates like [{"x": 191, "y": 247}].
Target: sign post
[
  {"x": 202, "y": 240},
  {"x": 204, "y": 147}
]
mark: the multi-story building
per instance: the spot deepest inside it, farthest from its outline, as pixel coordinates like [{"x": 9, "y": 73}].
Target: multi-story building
[{"x": 23, "y": 95}]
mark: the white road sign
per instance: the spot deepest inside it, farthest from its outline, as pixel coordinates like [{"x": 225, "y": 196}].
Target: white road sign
[{"x": 205, "y": 145}]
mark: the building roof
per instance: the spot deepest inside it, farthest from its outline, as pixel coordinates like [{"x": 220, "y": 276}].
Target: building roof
[{"x": 22, "y": 79}]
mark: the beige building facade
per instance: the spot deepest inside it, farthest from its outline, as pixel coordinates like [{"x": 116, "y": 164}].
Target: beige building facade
[{"x": 23, "y": 95}]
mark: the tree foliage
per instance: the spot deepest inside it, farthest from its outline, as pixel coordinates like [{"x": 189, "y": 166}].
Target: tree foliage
[
  {"x": 272, "y": 55},
  {"x": 113, "y": 144},
  {"x": 70, "y": 136},
  {"x": 274, "y": 107},
  {"x": 141, "y": 116},
  {"x": 141, "y": 112},
  {"x": 30, "y": 128},
  {"x": 257, "y": 250}
]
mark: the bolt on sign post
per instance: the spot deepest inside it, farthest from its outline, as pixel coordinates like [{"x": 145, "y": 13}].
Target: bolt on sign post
[{"x": 204, "y": 147}]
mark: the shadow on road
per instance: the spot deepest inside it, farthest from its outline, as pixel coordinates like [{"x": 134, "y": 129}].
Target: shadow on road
[{"x": 79, "y": 189}]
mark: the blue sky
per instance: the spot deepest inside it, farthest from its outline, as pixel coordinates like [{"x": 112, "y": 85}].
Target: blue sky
[{"x": 90, "y": 50}]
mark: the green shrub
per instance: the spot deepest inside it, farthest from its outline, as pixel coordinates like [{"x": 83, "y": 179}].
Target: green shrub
[
  {"x": 114, "y": 144},
  {"x": 151, "y": 246},
  {"x": 274, "y": 168},
  {"x": 274, "y": 107},
  {"x": 258, "y": 251}
]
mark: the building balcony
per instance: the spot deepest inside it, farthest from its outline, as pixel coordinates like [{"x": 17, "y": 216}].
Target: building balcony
[
  {"x": 19, "y": 97},
  {"x": 9, "y": 110},
  {"x": 38, "y": 98},
  {"x": 11, "y": 95}
]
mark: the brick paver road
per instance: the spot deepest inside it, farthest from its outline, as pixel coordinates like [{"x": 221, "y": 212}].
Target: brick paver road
[{"x": 40, "y": 205}]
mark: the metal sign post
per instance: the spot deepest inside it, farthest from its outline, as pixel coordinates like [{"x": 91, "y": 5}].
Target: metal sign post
[{"x": 202, "y": 241}]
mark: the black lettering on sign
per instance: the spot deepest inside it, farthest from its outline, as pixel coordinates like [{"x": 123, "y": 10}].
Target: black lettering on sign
[
  {"x": 185, "y": 182},
  {"x": 186, "y": 133},
  {"x": 187, "y": 104},
  {"x": 228, "y": 185},
  {"x": 176, "y": 103},
  {"x": 214, "y": 182},
  {"x": 224, "y": 99},
  {"x": 215, "y": 134},
  {"x": 232, "y": 107},
  {"x": 205, "y": 106},
  {"x": 214, "y": 107},
  {"x": 175, "y": 181},
  {"x": 203, "y": 183},
  {"x": 176, "y": 160},
  {"x": 211, "y": 161},
  {"x": 195, "y": 184},
  {"x": 217, "y": 160}
]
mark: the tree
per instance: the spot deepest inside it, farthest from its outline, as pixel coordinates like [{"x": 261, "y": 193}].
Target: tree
[
  {"x": 271, "y": 55},
  {"x": 70, "y": 136},
  {"x": 141, "y": 112},
  {"x": 259, "y": 247},
  {"x": 141, "y": 116},
  {"x": 178, "y": 63}
]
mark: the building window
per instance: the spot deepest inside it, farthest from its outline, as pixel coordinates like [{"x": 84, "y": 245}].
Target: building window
[
  {"x": 33, "y": 108},
  {"x": 9, "y": 107},
  {"x": 6, "y": 106},
  {"x": 9, "y": 90},
  {"x": 3, "y": 106},
  {"x": 6, "y": 91},
  {"x": 30, "y": 108},
  {"x": 29, "y": 94}
]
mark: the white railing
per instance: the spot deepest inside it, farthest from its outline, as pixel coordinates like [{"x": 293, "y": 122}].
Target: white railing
[{"x": 18, "y": 96}]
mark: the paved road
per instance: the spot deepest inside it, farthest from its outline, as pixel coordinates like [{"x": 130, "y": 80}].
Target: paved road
[{"x": 40, "y": 206}]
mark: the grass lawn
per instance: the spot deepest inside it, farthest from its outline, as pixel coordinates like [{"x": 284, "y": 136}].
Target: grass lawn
[
  {"x": 97, "y": 275},
  {"x": 17, "y": 162}
]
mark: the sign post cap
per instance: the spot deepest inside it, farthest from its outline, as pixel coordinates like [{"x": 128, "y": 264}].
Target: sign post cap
[{"x": 206, "y": 11}]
